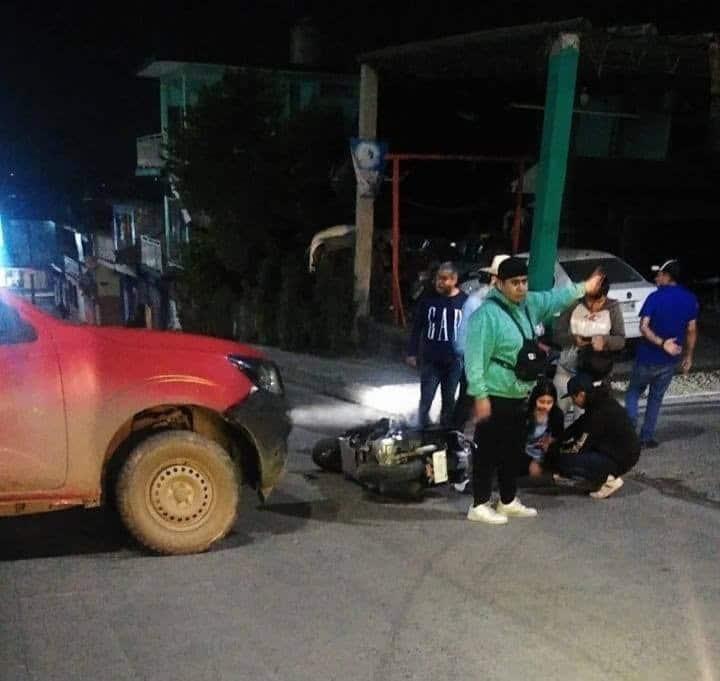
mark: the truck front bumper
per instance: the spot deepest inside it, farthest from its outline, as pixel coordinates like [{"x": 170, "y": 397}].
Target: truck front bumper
[{"x": 263, "y": 418}]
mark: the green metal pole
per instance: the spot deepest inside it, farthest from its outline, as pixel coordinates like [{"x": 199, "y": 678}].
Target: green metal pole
[{"x": 557, "y": 124}]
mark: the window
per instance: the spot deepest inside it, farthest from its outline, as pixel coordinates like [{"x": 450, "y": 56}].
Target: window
[
  {"x": 616, "y": 270},
  {"x": 124, "y": 229},
  {"x": 72, "y": 296},
  {"x": 176, "y": 120},
  {"x": 177, "y": 231},
  {"x": 13, "y": 329}
]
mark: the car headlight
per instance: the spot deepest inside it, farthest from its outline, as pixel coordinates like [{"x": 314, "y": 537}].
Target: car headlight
[{"x": 263, "y": 373}]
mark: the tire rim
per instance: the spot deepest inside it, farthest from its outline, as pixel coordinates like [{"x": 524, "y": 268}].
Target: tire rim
[{"x": 181, "y": 496}]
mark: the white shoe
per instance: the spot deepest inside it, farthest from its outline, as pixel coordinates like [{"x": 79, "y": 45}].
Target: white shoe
[
  {"x": 484, "y": 513},
  {"x": 516, "y": 510},
  {"x": 610, "y": 486},
  {"x": 462, "y": 486}
]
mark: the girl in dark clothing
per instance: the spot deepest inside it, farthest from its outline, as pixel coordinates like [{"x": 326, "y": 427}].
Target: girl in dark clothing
[{"x": 544, "y": 427}]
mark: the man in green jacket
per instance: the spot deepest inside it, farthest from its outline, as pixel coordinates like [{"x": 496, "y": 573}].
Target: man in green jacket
[{"x": 493, "y": 343}]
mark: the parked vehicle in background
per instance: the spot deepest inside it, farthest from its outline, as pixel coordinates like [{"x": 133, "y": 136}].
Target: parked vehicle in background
[
  {"x": 469, "y": 256},
  {"x": 627, "y": 285},
  {"x": 168, "y": 425},
  {"x": 326, "y": 241}
]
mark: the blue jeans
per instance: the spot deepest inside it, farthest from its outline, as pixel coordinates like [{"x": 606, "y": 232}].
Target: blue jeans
[
  {"x": 658, "y": 377},
  {"x": 447, "y": 376}
]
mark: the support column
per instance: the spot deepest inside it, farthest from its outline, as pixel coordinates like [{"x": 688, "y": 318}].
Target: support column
[
  {"x": 517, "y": 218},
  {"x": 714, "y": 59},
  {"x": 396, "y": 292},
  {"x": 365, "y": 207},
  {"x": 557, "y": 124}
]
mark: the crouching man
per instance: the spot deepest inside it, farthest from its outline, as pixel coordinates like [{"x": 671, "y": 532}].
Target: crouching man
[{"x": 601, "y": 446}]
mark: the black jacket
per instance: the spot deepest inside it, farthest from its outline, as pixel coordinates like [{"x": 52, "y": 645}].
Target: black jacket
[{"x": 605, "y": 428}]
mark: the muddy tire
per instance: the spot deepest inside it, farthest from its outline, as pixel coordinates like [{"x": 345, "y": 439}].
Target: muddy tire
[
  {"x": 326, "y": 454},
  {"x": 178, "y": 492}
]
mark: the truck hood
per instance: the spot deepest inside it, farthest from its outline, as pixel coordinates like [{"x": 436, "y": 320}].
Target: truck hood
[{"x": 166, "y": 340}]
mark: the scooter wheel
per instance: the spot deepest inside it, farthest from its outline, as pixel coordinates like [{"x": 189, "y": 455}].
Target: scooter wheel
[{"x": 326, "y": 454}]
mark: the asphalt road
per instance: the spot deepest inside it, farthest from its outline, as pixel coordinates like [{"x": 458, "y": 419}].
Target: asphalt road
[{"x": 328, "y": 582}]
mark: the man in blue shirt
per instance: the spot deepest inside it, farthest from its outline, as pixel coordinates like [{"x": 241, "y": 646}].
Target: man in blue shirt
[
  {"x": 436, "y": 324},
  {"x": 668, "y": 324}
]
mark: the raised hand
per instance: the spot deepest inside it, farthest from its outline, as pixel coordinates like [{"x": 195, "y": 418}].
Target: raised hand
[{"x": 594, "y": 281}]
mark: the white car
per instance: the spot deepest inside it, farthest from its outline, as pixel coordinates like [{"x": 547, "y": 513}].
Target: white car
[{"x": 627, "y": 285}]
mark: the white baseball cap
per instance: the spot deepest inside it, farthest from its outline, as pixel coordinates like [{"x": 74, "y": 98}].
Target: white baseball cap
[{"x": 495, "y": 265}]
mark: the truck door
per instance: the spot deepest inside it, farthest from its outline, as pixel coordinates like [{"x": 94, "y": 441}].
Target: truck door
[{"x": 33, "y": 436}]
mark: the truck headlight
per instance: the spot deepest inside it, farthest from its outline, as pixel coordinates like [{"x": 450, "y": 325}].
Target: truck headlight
[{"x": 263, "y": 373}]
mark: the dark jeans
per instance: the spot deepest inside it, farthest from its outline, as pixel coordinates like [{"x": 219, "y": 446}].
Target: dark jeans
[
  {"x": 463, "y": 406},
  {"x": 587, "y": 465},
  {"x": 499, "y": 441},
  {"x": 658, "y": 377},
  {"x": 447, "y": 376}
]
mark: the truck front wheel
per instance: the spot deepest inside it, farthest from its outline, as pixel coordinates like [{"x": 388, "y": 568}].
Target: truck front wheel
[{"x": 178, "y": 492}]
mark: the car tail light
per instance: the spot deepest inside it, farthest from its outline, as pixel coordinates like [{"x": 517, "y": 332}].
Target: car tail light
[{"x": 263, "y": 373}]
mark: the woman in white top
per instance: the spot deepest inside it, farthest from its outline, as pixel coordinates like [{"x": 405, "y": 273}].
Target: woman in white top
[{"x": 590, "y": 334}]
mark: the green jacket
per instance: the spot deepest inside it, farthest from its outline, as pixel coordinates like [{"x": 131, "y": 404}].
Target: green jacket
[{"x": 492, "y": 334}]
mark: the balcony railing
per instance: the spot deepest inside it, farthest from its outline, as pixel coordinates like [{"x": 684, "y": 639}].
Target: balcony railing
[
  {"x": 72, "y": 267},
  {"x": 151, "y": 253},
  {"x": 128, "y": 254},
  {"x": 150, "y": 160},
  {"x": 105, "y": 247}
]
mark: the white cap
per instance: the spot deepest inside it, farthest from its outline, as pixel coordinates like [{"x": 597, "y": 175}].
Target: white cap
[
  {"x": 493, "y": 269},
  {"x": 661, "y": 268}
]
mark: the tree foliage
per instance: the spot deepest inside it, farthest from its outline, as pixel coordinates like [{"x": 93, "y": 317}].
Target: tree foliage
[{"x": 257, "y": 183}]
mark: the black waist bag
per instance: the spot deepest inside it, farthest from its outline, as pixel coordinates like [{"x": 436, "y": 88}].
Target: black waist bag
[{"x": 531, "y": 361}]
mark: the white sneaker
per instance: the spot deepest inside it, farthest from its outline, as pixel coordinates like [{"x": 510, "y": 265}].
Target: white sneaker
[
  {"x": 484, "y": 513},
  {"x": 516, "y": 510},
  {"x": 610, "y": 486},
  {"x": 462, "y": 486}
]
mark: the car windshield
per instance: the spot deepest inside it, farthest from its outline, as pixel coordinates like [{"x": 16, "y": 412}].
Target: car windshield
[{"x": 616, "y": 270}]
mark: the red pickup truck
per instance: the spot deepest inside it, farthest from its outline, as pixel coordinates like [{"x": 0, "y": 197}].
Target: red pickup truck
[{"x": 166, "y": 425}]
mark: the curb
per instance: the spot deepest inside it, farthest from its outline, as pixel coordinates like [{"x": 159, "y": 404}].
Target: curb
[{"x": 692, "y": 399}]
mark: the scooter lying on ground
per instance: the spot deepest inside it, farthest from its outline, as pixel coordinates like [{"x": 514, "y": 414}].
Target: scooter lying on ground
[{"x": 390, "y": 457}]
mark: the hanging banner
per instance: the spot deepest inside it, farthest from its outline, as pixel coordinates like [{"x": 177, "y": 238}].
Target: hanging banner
[{"x": 369, "y": 162}]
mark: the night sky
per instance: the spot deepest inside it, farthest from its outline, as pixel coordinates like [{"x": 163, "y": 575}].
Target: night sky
[{"x": 73, "y": 106}]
